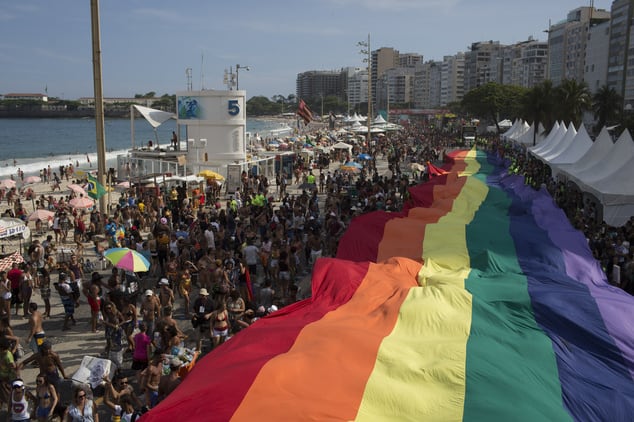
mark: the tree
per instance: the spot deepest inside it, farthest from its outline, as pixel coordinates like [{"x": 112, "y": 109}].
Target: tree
[
  {"x": 573, "y": 98},
  {"x": 493, "y": 101},
  {"x": 538, "y": 105},
  {"x": 606, "y": 105}
]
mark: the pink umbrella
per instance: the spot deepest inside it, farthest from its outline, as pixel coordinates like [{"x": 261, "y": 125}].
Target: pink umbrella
[
  {"x": 7, "y": 183},
  {"x": 81, "y": 202},
  {"x": 32, "y": 179},
  {"x": 43, "y": 215},
  {"x": 76, "y": 188}
]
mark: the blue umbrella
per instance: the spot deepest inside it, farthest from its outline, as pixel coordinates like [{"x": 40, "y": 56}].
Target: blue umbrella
[{"x": 364, "y": 156}]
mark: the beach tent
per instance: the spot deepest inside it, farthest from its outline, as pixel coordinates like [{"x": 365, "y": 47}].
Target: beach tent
[
  {"x": 477, "y": 301},
  {"x": 528, "y": 137},
  {"x": 525, "y": 127},
  {"x": 510, "y": 131},
  {"x": 562, "y": 145},
  {"x": 596, "y": 154},
  {"x": 552, "y": 137},
  {"x": 621, "y": 153},
  {"x": 575, "y": 150},
  {"x": 342, "y": 145}
]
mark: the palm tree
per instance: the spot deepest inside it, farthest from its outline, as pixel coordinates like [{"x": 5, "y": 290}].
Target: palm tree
[
  {"x": 538, "y": 105},
  {"x": 606, "y": 104},
  {"x": 573, "y": 98}
]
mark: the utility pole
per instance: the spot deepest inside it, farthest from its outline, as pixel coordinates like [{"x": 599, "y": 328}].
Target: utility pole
[
  {"x": 98, "y": 88},
  {"x": 366, "y": 50}
]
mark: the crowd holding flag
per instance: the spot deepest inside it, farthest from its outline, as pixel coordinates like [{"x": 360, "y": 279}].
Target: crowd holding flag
[{"x": 304, "y": 112}]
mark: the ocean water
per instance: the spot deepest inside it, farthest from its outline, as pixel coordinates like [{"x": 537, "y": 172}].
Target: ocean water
[{"x": 36, "y": 143}]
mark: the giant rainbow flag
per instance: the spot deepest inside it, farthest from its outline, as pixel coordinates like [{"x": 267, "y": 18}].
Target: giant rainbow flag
[{"x": 477, "y": 302}]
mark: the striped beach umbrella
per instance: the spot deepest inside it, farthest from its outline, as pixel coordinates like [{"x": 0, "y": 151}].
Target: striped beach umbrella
[
  {"x": 127, "y": 259},
  {"x": 479, "y": 301}
]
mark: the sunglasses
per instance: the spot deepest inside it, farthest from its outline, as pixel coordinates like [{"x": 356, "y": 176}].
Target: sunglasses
[
  {"x": 17, "y": 387},
  {"x": 124, "y": 383},
  {"x": 81, "y": 396}
]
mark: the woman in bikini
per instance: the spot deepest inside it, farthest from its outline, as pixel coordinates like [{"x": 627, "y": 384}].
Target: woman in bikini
[
  {"x": 47, "y": 398},
  {"x": 220, "y": 326}
]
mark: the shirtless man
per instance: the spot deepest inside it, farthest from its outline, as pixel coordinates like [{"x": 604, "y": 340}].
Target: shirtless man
[
  {"x": 168, "y": 383},
  {"x": 150, "y": 379},
  {"x": 36, "y": 333},
  {"x": 150, "y": 310},
  {"x": 166, "y": 295},
  {"x": 49, "y": 363}
]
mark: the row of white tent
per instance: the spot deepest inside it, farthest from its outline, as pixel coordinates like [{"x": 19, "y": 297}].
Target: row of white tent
[{"x": 602, "y": 168}]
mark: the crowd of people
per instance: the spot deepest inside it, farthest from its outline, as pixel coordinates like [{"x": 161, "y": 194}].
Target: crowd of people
[{"x": 219, "y": 261}]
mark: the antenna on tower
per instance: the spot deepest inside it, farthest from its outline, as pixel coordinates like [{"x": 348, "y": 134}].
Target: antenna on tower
[
  {"x": 202, "y": 72},
  {"x": 188, "y": 73}
]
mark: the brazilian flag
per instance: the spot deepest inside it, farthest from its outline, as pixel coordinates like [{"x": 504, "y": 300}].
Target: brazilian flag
[{"x": 95, "y": 189}]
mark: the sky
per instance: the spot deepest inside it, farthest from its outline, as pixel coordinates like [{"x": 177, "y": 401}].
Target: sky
[{"x": 146, "y": 46}]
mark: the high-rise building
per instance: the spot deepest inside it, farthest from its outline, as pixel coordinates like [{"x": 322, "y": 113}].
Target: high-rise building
[
  {"x": 597, "y": 50},
  {"x": 483, "y": 64},
  {"x": 357, "y": 87},
  {"x": 427, "y": 87},
  {"x": 524, "y": 63},
  {"x": 452, "y": 79},
  {"x": 381, "y": 60},
  {"x": 621, "y": 43},
  {"x": 567, "y": 42},
  {"x": 321, "y": 83}
]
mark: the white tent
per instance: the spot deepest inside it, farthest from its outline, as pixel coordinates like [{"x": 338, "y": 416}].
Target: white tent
[
  {"x": 548, "y": 139},
  {"x": 575, "y": 150},
  {"x": 379, "y": 120},
  {"x": 525, "y": 136},
  {"x": 622, "y": 152},
  {"x": 563, "y": 143},
  {"x": 342, "y": 145},
  {"x": 554, "y": 143},
  {"x": 510, "y": 131},
  {"x": 597, "y": 153},
  {"x": 529, "y": 136},
  {"x": 521, "y": 130}
]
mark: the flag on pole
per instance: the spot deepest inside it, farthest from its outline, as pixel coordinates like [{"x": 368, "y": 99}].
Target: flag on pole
[
  {"x": 94, "y": 189},
  {"x": 304, "y": 112}
]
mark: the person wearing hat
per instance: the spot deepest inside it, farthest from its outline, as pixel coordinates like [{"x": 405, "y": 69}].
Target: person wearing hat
[
  {"x": 150, "y": 310},
  {"x": 166, "y": 295},
  {"x": 19, "y": 404},
  {"x": 203, "y": 311}
]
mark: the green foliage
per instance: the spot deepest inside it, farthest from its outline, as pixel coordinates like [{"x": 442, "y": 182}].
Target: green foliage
[
  {"x": 494, "y": 101},
  {"x": 606, "y": 105},
  {"x": 572, "y": 98}
]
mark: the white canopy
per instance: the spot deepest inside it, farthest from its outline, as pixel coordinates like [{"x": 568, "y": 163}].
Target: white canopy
[
  {"x": 154, "y": 117},
  {"x": 597, "y": 153},
  {"x": 563, "y": 143},
  {"x": 621, "y": 153},
  {"x": 510, "y": 131},
  {"x": 522, "y": 129},
  {"x": 342, "y": 145},
  {"x": 379, "y": 120},
  {"x": 575, "y": 150},
  {"x": 554, "y": 132}
]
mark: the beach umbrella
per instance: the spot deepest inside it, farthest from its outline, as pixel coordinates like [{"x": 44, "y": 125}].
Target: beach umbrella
[
  {"x": 127, "y": 259},
  {"x": 77, "y": 189},
  {"x": 7, "y": 183},
  {"x": 349, "y": 169},
  {"x": 81, "y": 202},
  {"x": 364, "y": 156},
  {"x": 307, "y": 186},
  {"x": 43, "y": 215},
  {"x": 32, "y": 179},
  {"x": 7, "y": 262},
  {"x": 210, "y": 174},
  {"x": 123, "y": 185},
  {"x": 353, "y": 164}
]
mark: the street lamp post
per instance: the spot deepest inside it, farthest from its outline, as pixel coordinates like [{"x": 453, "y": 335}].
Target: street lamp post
[
  {"x": 238, "y": 67},
  {"x": 367, "y": 51}
]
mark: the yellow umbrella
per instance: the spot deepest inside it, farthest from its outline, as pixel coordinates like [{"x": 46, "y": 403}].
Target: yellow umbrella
[{"x": 209, "y": 174}]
